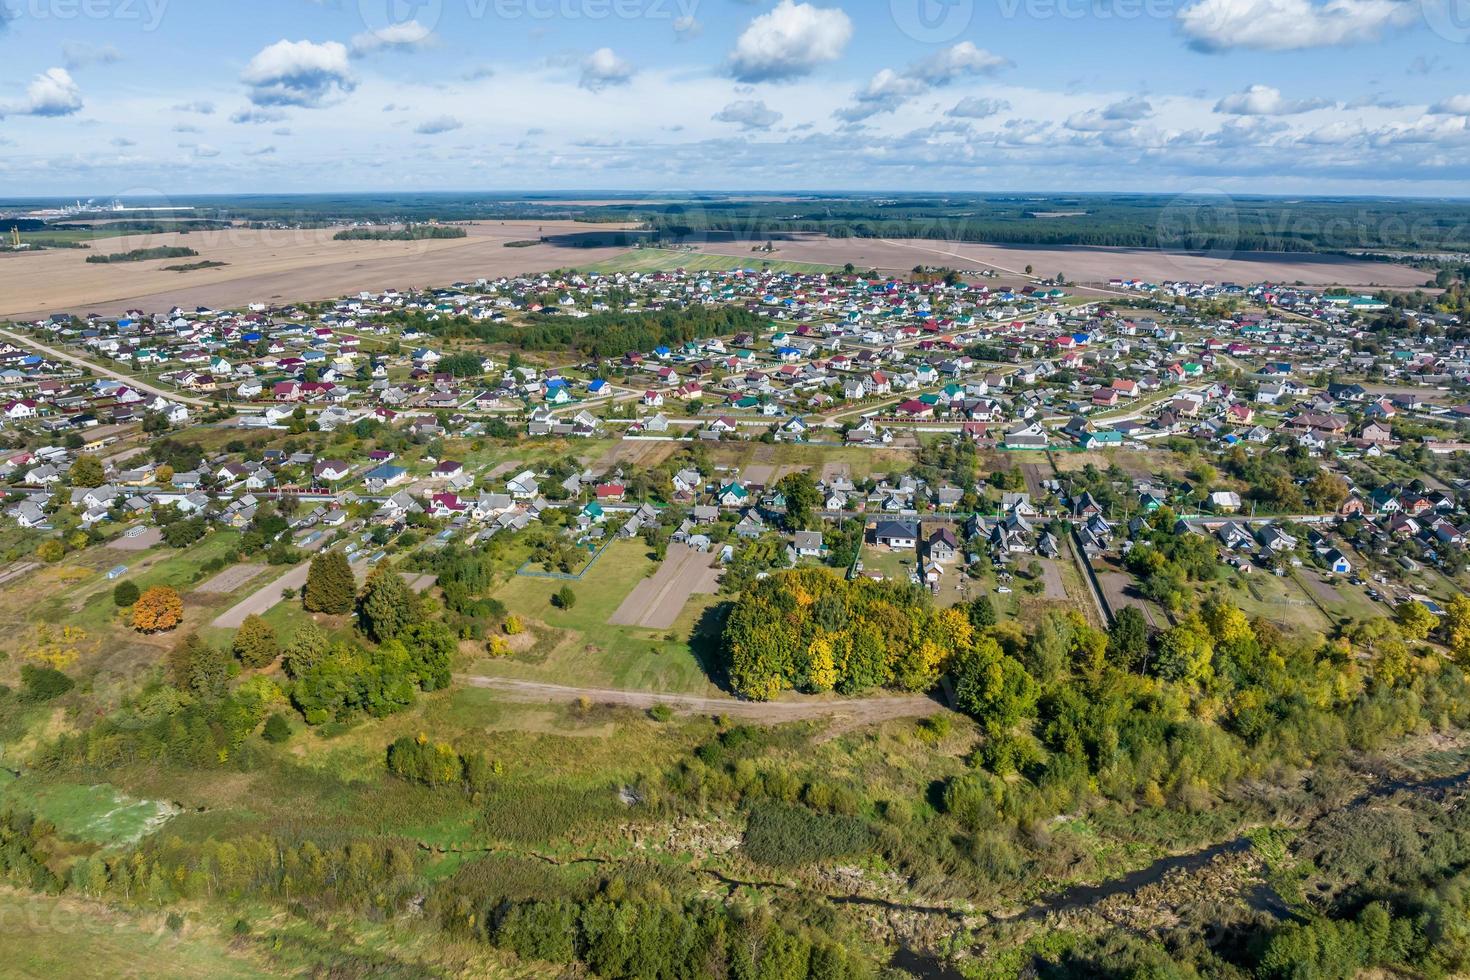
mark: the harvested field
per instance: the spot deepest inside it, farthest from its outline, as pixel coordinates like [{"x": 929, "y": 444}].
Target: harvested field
[
  {"x": 1051, "y": 574},
  {"x": 1324, "y": 592},
  {"x": 148, "y": 539},
  {"x": 275, "y": 267},
  {"x": 231, "y": 579},
  {"x": 656, "y": 602},
  {"x": 1088, "y": 264}
]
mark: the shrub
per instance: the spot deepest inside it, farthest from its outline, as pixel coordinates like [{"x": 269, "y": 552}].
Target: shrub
[
  {"x": 780, "y": 834},
  {"x": 277, "y": 729},
  {"x": 661, "y": 712},
  {"x": 124, "y": 594},
  {"x": 565, "y": 598},
  {"x": 43, "y": 683}
]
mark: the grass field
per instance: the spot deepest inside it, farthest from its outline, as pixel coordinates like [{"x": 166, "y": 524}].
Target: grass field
[
  {"x": 577, "y": 646},
  {"x": 46, "y": 936},
  {"x": 97, "y": 814},
  {"x": 667, "y": 259}
]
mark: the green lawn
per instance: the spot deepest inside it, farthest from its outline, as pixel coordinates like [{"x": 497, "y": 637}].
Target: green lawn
[
  {"x": 664, "y": 260},
  {"x": 577, "y": 646}
]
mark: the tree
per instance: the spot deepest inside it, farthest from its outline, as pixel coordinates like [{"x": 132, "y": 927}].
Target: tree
[
  {"x": 1128, "y": 638},
  {"x": 124, "y": 594},
  {"x": 86, "y": 471},
  {"x": 1414, "y": 619},
  {"x": 255, "y": 642},
  {"x": 1327, "y": 490},
  {"x": 330, "y": 586},
  {"x": 51, "y": 550},
  {"x": 1457, "y": 627},
  {"x": 199, "y": 668},
  {"x": 565, "y": 598},
  {"x": 164, "y": 475},
  {"x": 277, "y": 729},
  {"x": 801, "y": 496},
  {"x": 982, "y": 613},
  {"x": 158, "y": 610},
  {"x": 387, "y": 605},
  {"x": 308, "y": 647}
]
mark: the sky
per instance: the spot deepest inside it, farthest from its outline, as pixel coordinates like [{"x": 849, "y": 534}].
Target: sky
[{"x": 112, "y": 98}]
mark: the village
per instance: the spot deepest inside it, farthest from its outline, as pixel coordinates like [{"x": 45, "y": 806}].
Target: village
[{"x": 966, "y": 437}]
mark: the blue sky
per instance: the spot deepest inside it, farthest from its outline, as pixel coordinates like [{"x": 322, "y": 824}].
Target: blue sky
[{"x": 118, "y": 97}]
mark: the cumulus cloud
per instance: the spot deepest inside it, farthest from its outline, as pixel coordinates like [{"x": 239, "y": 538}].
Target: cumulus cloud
[
  {"x": 1287, "y": 25},
  {"x": 77, "y": 54},
  {"x": 1455, "y": 105},
  {"x": 956, "y": 62},
  {"x": 437, "y": 125},
  {"x": 299, "y": 73},
  {"x": 406, "y": 36},
  {"x": 789, "y": 41},
  {"x": 602, "y": 69},
  {"x": 203, "y": 108},
  {"x": 889, "y": 89},
  {"x": 974, "y": 107},
  {"x": 687, "y": 28},
  {"x": 51, "y": 93},
  {"x": 1263, "y": 100},
  {"x": 748, "y": 114},
  {"x": 1113, "y": 118}
]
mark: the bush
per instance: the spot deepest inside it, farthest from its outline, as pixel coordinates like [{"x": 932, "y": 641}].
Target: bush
[
  {"x": 124, "y": 594},
  {"x": 277, "y": 729},
  {"x": 43, "y": 683},
  {"x": 565, "y": 598},
  {"x": 661, "y": 712}
]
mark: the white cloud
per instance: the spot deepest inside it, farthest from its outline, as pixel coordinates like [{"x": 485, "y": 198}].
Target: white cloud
[
  {"x": 962, "y": 59},
  {"x": 437, "y": 125},
  {"x": 77, "y": 54},
  {"x": 257, "y": 116},
  {"x": 602, "y": 68},
  {"x": 1455, "y": 105},
  {"x": 1263, "y": 100},
  {"x": 687, "y": 28},
  {"x": 1287, "y": 25},
  {"x": 888, "y": 89},
  {"x": 260, "y": 151},
  {"x": 203, "y": 108},
  {"x": 406, "y": 36},
  {"x": 122, "y": 142},
  {"x": 789, "y": 41},
  {"x": 51, "y": 93},
  {"x": 299, "y": 73},
  {"x": 748, "y": 114},
  {"x": 974, "y": 107}
]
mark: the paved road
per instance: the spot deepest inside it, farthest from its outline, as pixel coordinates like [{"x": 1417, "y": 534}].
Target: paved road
[
  {"x": 61, "y": 355},
  {"x": 861, "y": 710}
]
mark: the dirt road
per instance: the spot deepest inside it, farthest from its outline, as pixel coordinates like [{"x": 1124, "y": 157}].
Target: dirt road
[
  {"x": 131, "y": 382},
  {"x": 863, "y": 710}
]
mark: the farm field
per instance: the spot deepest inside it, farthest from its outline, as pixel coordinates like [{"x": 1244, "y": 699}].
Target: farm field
[
  {"x": 279, "y": 266},
  {"x": 1089, "y": 264},
  {"x": 668, "y": 259}
]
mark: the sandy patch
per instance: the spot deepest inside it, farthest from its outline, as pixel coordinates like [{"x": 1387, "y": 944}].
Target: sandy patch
[{"x": 657, "y": 601}]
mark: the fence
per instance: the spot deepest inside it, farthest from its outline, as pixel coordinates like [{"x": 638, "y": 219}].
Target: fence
[{"x": 565, "y": 576}]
